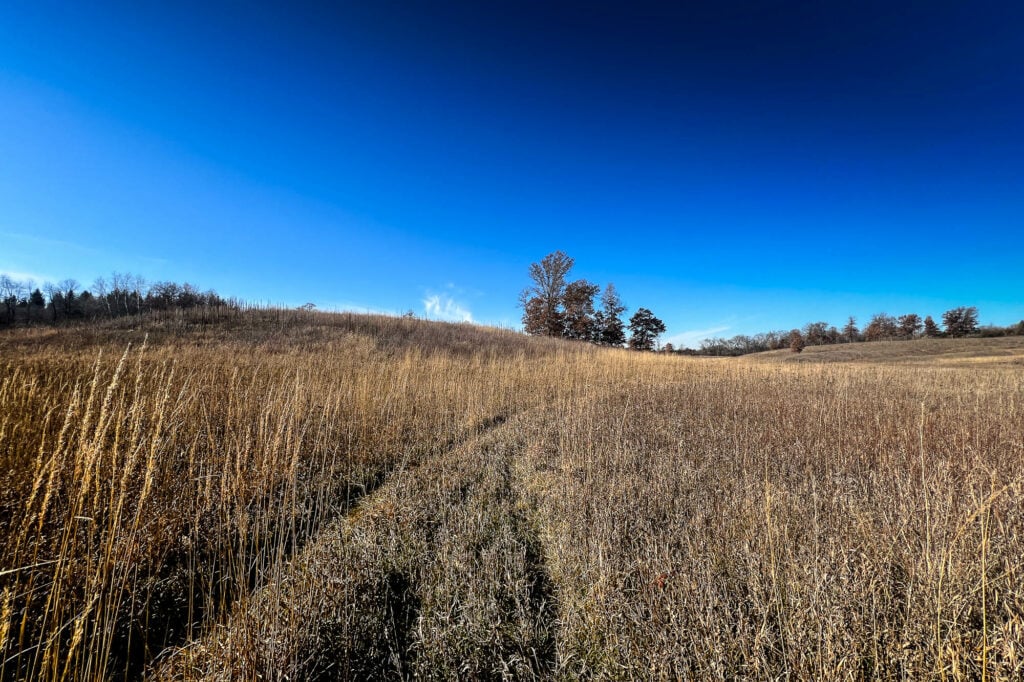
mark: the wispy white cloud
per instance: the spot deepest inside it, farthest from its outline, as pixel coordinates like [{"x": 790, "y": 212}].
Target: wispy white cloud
[
  {"x": 693, "y": 337},
  {"x": 444, "y": 307}
]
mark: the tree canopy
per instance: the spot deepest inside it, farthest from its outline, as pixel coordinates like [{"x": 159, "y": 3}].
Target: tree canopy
[
  {"x": 543, "y": 301},
  {"x": 960, "y": 321},
  {"x": 645, "y": 328},
  {"x": 554, "y": 306}
]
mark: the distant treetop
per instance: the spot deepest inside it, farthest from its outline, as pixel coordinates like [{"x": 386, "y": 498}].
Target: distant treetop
[{"x": 554, "y": 306}]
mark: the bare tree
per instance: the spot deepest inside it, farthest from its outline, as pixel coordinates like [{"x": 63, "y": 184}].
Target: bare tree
[
  {"x": 68, "y": 287},
  {"x": 543, "y": 301},
  {"x": 119, "y": 290},
  {"x": 102, "y": 290},
  {"x": 815, "y": 333},
  {"x": 9, "y": 295},
  {"x": 138, "y": 285},
  {"x": 54, "y": 297},
  {"x": 127, "y": 290},
  {"x": 881, "y": 327}
]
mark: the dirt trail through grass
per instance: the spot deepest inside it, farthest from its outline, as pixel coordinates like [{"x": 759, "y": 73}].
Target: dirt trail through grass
[{"x": 436, "y": 573}]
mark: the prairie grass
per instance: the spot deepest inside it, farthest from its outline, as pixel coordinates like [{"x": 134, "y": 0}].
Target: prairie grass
[
  {"x": 288, "y": 495},
  {"x": 146, "y": 490},
  {"x": 967, "y": 352},
  {"x": 768, "y": 522}
]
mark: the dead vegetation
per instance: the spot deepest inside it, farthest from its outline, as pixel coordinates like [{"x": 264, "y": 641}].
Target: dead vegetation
[
  {"x": 815, "y": 522},
  {"x": 305, "y": 496},
  {"x": 1008, "y": 350}
]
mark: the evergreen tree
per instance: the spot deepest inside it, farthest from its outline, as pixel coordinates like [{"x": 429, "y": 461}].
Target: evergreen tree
[
  {"x": 850, "y": 331},
  {"x": 645, "y": 328},
  {"x": 612, "y": 329}
]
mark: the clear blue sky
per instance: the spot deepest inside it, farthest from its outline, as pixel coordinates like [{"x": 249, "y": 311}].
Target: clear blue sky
[{"x": 736, "y": 167}]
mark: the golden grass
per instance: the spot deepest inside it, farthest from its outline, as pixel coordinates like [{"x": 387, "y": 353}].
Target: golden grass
[
  {"x": 145, "y": 492},
  {"x": 1008, "y": 350},
  {"x": 817, "y": 522},
  {"x": 306, "y": 496}
]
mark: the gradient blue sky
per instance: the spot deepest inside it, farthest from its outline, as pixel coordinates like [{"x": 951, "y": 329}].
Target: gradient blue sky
[{"x": 735, "y": 167}]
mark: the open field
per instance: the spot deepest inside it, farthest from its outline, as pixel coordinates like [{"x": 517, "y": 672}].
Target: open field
[
  {"x": 968, "y": 352},
  {"x": 308, "y": 496}
]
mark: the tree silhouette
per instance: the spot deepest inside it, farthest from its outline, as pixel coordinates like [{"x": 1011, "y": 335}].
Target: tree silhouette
[
  {"x": 542, "y": 301},
  {"x": 930, "y": 328},
  {"x": 961, "y": 321},
  {"x": 611, "y": 329},
  {"x": 881, "y": 327},
  {"x": 645, "y": 328},
  {"x": 8, "y": 295},
  {"x": 816, "y": 333},
  {"x": 910, "y": 325},
  {"x": 796, "y": 341},
  {"x": 578, "y": 305},
  {"x": 850, "y": 331}
]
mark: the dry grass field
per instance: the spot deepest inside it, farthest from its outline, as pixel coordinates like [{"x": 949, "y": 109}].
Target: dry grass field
[
  {"x": 970, "y": 352},
  {"x": 303, "y": 496}
]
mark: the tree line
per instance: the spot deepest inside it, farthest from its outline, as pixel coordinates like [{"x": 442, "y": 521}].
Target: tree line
[
  {"x": 956, "y": 322},
  {"x": 22, "y": 302},
  {"x": 554, "y": 306}
]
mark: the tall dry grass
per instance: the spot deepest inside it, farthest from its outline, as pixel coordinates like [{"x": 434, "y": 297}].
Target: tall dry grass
[
  {"x": 770, "y": 522},
  {"x": 305, "y": 496},
  {"x": 146, "y": 490},
  {"x": 440, "y": 574}
]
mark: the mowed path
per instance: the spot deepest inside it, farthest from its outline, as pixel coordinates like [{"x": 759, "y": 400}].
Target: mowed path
[
  {"x": 438, "y": 573},
  {"x": 726, "y": 520}
]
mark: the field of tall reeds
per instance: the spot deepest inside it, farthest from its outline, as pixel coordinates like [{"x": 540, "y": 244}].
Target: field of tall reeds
[{"x": 285, "y": 495}]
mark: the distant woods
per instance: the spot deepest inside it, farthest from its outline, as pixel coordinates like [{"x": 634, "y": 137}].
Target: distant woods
[
  {"x": 23, "y": 302},
  {"x": 956, "y": 322},
  {"x": 554, "y": 306}
]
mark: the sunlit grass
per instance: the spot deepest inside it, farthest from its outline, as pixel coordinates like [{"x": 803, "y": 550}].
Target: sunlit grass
[{"x": 340, "y": 497}]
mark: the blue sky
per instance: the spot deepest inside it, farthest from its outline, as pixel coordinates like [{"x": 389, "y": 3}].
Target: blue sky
[{"x": 735, "y": 167}]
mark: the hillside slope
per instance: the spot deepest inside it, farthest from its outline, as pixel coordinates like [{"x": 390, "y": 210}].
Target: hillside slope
[
  {"x": 276, "y": 495},
  {"x": 1001, "y": 351}
]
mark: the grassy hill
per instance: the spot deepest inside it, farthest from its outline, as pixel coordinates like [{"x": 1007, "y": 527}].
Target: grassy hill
[
  {"x": 968, "y": 352},
  {"x": 290, "y": 495}
]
